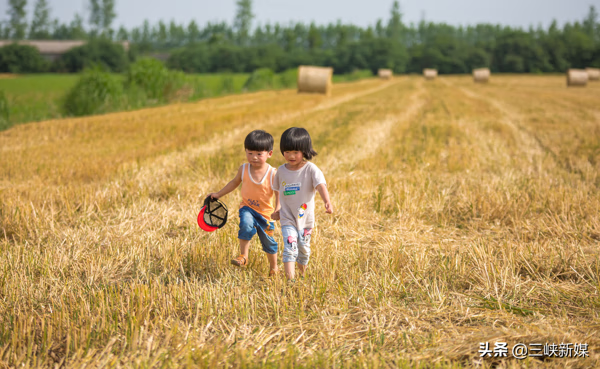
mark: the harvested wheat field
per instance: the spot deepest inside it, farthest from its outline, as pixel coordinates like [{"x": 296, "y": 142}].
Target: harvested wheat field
[{"x": 464, "y": 214}]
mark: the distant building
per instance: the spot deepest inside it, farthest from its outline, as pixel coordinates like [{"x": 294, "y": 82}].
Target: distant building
[{"x": 53, "y": 49}]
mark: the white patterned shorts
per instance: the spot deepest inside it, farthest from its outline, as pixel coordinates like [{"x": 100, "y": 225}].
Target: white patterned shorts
[{"x": 296, "y": 245}]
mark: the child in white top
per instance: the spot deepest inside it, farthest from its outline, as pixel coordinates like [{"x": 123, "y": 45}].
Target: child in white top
[{"x": 297, "y": 181}]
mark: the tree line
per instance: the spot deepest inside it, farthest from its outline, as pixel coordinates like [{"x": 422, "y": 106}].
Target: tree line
[{"x": 390, "y": 43}]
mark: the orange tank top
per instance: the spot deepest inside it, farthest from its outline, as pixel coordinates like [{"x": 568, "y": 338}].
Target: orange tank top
[{"x": 257, "y": 195}]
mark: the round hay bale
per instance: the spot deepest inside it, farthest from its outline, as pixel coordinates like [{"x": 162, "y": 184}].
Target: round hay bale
[
  {"x": 481, "y": 75},
  {"x": 577, "y": 77},
  {"x": 314, "y": 79},
  {"x": 385, "y": 73},
  {"x": 593, "y": 74},
  {"x": 430, "y": 73}
]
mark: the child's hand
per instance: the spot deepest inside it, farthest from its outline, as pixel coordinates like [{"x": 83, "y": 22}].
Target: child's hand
[
  {"x": 275, "y": 215},
  {"x": 214, "y": 195},
  {"x": 322, "y": 188}
]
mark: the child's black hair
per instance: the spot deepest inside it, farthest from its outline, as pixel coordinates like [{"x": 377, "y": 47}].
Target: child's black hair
[
  {"x": 259, "y": 140},
  {"x": 297, "y": 139}
]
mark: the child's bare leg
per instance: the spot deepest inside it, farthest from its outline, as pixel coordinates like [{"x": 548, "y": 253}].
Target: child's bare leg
[
  {"x": 272, "y": 261},
  {"x": 289, "y": 269},
  {"x": 301, "y": 269},
  {"x": 244, "y": 248},
  {"x": 242, "y": 260}
]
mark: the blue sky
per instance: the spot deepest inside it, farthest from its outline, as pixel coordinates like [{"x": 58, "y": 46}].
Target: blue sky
[{"x": 508, "y": 12}]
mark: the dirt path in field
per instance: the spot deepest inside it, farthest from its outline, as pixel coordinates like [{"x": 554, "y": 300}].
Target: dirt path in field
[
  {"x": 341, "y": 100},
  {"x": 169, "y": 163},
  {"x": 372, "y": 135},
  {"x": 529, "y": 142}
]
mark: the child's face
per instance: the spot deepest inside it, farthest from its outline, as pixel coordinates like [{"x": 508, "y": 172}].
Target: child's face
[
  {"x": 258, "y": 158},
  {"x": 293, "y": 157}
]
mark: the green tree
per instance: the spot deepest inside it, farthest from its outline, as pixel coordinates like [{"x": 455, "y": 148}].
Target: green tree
[
  {"x": 96, "y": 92},
  {"x": 59, "y": 31},
  {"x": 266, "y": 56},
  {"x": 108, "y": 16},
  {"x": 590, "y": 24},
  {"x": 394, "y": 28},
  {"x": 226, "y": 58},
  {"x": 122, "y": 34},
  {"x": 555, "y": 48},
  {"x": 259, "y": 37},
  {"x": 109, "y": 55},
  {"x": 15, "y": 58},
  {"x": 154, "y": 78},
  {"x": 580, "y": 46},
  {"x": 193, "y": 32},
  {"x": 176, "y": 35},
  {"x": 314, "y": 38},
  {"x": 518, "y": 51},
  {"x": 477, "y": 58},
  {"x": 160, "y": 35},
  {"x": 343, "y": 35},
  {"x": 289, "y": 39},
  {"x": 40, "y": 25},
  {"x": 190, "y": 59},
  {"x": 145, "y": 43},
  {"x": 243, "y": 21},
  {"x": 398, "y": 56},
  {"x": 95, "y": 16},
  {"x": 379, "y": 29},
  {"x": 76, "y": 28},
  {"x": 17, "y": 18}
]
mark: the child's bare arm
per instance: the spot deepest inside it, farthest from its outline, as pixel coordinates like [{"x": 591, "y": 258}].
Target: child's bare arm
[
  {"x": 232, "y": 185},
  {"x": 322, "y": 189},
  {"x": 275, "y": 215}
]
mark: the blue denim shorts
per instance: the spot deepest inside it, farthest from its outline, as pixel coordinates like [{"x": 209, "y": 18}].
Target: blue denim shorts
[
  {"x": 251, "y": 223},
  {"x": 296, "y": 245}
]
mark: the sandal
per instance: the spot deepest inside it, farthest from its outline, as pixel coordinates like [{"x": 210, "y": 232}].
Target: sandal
[{"x": 240, "y": 261}]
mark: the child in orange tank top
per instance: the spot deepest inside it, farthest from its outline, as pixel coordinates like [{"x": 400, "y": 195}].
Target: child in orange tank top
[{"x": 256, "y": 178}]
